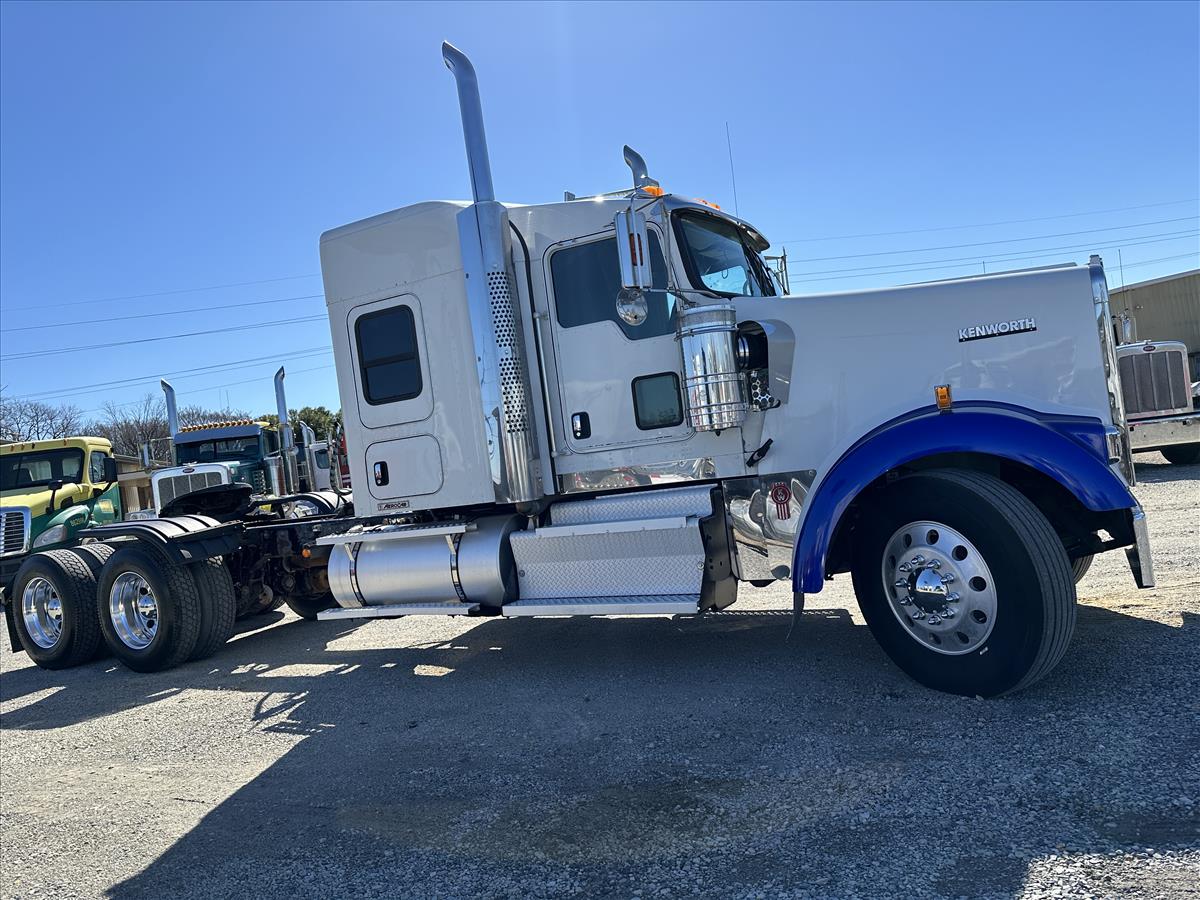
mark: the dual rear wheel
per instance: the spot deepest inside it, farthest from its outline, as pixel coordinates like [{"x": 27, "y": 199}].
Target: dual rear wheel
[{"x": 152, "y": 613}]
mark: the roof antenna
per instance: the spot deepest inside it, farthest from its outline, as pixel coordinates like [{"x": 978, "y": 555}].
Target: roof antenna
[{"x": 732, "y": 176}]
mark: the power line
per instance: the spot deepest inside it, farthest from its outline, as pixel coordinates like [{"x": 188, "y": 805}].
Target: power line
[
  {"x": 195, "y": 290},
  {"x": 163, "y": 337},
  {"x": 1095, "y": 212},
  {"x": 153, "y": 315},
  {"x": 211, "y": 387},
  {"x": 883, "y": 268},
  {"x": 99, "y": 387},
  {"x": 1036, "y": 237}
]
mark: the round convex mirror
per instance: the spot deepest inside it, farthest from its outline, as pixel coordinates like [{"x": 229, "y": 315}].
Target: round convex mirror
[{"x": 632, "y": 306}]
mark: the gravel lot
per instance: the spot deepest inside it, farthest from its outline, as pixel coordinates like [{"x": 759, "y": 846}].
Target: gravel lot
[{"x": 622, "y": 757}]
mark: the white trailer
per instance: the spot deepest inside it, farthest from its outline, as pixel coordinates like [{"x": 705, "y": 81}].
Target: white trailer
[{"x": 603, "y": 407}]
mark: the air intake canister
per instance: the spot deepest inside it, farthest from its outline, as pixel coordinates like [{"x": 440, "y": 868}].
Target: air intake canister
[{"x": 713, "y": 386}]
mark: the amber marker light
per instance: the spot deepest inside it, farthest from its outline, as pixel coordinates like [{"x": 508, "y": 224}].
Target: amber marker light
[{"x": 941, "y": 393}]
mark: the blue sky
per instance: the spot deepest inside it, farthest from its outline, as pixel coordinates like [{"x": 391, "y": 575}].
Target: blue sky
[{"x": 151, "y": 148}]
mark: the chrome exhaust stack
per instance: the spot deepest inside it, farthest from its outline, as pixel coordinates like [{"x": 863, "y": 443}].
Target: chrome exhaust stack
[
  {"x": 172, "y": 408},
  {"x": 496, "y": 325},
  {"x": 287, "y": 442}
]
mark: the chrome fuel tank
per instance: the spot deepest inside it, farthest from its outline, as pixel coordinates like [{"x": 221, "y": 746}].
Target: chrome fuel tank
[{"x": 471, "y": 562}]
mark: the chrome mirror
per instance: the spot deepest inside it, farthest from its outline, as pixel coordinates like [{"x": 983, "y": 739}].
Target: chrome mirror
[{"x": 632, "y": 306}]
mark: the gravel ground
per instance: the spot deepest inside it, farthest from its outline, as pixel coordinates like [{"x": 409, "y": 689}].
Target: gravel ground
[{"x": 622, "y": 757}]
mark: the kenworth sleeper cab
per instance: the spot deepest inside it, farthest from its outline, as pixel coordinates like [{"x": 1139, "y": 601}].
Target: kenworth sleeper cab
[{"x": 604, "y": 407}]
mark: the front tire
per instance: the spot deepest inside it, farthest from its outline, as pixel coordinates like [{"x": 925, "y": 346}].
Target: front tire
[
  {"x": 1182, "y": 454},
  {"x": 54, "y": 609},
  {"x": 964, "y": 583},
  {"x": 149, "y": 609}
]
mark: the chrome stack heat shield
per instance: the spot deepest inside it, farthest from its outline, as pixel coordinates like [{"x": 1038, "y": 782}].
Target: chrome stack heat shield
[
  {"x": 493, "y": 303},
  {"x": 713, "y": 386}
]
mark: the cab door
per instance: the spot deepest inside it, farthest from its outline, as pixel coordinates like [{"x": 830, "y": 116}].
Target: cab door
[
  {"x": 619, "y": 384},
  {"x": 106, "y": 506}
]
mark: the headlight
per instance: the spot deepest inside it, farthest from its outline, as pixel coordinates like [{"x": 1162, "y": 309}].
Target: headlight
[{"x": 51, "y": 536}]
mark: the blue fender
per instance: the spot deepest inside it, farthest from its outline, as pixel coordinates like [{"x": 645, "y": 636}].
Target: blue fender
[{"x": 1070, "y": 449}]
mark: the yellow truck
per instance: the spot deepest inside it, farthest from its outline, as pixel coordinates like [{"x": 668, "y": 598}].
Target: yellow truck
[{"x": 49, "y": 491}]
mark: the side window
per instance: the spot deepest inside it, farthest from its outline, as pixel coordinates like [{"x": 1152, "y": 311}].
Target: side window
[
  {"x": 387, "y": 355},
  {"x": 96, "y": 467},
  {"x": 656, "y": 401},
  {"x": 587, "y": 278},
  {"x": 322, "y": 459}
]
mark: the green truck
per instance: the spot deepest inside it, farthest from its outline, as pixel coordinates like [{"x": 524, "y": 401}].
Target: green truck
[
  {"x": 51, "y": 490},
  {"x": 243, "y": 451}
]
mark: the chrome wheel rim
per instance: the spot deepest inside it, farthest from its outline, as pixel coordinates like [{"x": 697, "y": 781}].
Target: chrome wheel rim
[
  {"x": 939, "y": 587},
  {"x": 41, "y": 610},
  {"x": 133, "y": 609}
]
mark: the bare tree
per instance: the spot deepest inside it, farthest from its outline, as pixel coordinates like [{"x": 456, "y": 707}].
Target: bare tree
[
  {"x": 128, "y": 426},
  {"x": 29, "y": 420}
]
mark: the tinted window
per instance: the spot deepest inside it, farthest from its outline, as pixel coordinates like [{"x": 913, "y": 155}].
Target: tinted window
[
  {"x": 96, "y": 467},
  {"x": 719, "y": 259},
  {"x": 322, "y": 459},
  {"x": 387, "y": 355},
  {"x": 30, "y": 470},
  {"x": 587, "y": 279},
  {"x": 656, "y": 401}
]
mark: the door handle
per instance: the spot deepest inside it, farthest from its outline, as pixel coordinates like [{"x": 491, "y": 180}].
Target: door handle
[
  {"x": 581, "y": 425},
  {"x": 381, "y": 473}
]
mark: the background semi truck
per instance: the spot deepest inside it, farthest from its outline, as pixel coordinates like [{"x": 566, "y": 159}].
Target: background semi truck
[
  {"x": 50, "y": 491},
  {"x": 604, "y": 407},
  {"x": 264, "y": 456}
]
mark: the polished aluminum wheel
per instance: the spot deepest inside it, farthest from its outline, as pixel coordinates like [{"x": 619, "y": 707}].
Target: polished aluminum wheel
[
  {"x": 939, "y": 587},
  {"x": 133, "y": 610},
  {"x": 41, "y": 610}
]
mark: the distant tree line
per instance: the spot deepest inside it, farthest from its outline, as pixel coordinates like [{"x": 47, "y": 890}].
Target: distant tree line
[{"x": 128, "y": 426}]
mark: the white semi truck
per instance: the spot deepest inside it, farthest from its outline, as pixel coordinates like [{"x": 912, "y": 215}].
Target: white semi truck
[{"x": 603, "y": 407}]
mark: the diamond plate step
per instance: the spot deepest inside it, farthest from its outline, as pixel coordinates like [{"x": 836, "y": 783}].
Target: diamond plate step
[
  {"x": 670, "y": 605},
  {"x": 638, "y": 557},
  {"x": 399, "y": 609}
]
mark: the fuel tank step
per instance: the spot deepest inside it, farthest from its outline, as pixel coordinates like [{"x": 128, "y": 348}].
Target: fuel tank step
[
  {"x": 673, "y": 605},
  {"x": 399, "y": 609},
  {"x": 648, "y": 557}
]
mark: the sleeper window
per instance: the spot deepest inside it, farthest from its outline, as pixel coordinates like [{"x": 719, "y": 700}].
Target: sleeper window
[
  {"x": 587, "y": 278},
  {"x": 387, "y": 355}
]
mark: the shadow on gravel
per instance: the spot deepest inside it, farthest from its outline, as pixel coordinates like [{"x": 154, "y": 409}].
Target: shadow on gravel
[
  {"x": 708, "y": 756},
  {"x": 1156, "y": 473}
]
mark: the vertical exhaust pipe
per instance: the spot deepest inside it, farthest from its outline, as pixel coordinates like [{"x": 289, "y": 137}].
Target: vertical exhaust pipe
[
  {"x": 472, "y": 120},
  {"x": 172, "y": 408},
  {"x": 497, "y": 326},
  {"x": 286, "y": 441}
]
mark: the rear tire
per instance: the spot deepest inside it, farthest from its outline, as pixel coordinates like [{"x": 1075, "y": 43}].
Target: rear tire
[
  {"x": 1182, "y": 454},
  {"x": 1079, "y": 567},
  {"x": 1003, "y": 618},
  {"x": 218, "y": 606},
  {"x": 148, "y": 608},
  {"x": 95, "y": 556},
  {"x": 306, "y": 606},
  {"x": 54, "y": 609}
]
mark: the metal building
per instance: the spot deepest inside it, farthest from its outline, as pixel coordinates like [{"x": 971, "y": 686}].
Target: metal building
[{"x": 1163, "y": 309}]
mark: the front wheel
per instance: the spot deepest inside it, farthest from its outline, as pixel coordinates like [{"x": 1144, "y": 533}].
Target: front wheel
[
  {"x": 964, "y": 583},
  {"x": 1182, "y": 454}
]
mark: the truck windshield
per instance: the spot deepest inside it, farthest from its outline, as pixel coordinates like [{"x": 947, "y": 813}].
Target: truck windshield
[
  {"x": 718, "y": 258},
  {"x": 30, "y": 470},
  {"x": 218, "y": 451}
]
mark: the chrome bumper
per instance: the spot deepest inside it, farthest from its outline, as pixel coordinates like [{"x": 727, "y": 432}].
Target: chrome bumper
[
  {"x": 1141, "y": 560},
  {"x": 1153, "y": 434}
]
